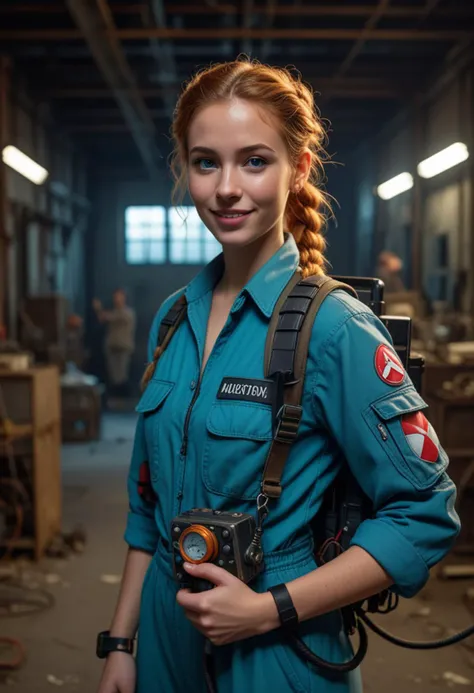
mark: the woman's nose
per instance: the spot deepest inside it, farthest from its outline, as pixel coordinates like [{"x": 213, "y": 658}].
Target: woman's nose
[{"x": 229, "y": 184}]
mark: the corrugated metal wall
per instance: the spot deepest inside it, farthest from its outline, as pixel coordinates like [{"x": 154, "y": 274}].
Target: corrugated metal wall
[
  {"x": 437, "y": 210},
  {"x": 46, "y": 223}
]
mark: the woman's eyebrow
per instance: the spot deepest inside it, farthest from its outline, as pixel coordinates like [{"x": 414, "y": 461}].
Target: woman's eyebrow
[{"x": 243, "y": 150}]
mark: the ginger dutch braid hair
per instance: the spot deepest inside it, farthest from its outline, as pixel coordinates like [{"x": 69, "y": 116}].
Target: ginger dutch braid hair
[{"x": 287, "y": 98}]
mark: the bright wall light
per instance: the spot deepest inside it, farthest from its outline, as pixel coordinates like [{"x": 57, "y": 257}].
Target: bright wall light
[
  {"x": 395, "y": 186},
  {"x": 446, "y": 158},
  {"x": 14, "y": 158}
]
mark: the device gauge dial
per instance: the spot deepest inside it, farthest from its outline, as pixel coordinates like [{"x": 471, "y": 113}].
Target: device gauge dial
[{"x": 198, "y": 544}]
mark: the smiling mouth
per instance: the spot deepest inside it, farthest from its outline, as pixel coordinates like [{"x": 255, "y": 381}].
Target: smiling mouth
[{"x": 231, "y": 215}]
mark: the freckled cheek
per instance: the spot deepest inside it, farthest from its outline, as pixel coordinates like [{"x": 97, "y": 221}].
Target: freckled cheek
[
  {"x": 201, "y": 188},
  {"x": 268, "y": 190}
]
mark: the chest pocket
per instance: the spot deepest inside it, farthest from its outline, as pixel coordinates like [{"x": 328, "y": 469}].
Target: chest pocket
[
  {"x": 238, "y": 441},
  {"x": 154, "y": 419},
  {"x": 412, "y": 448}
]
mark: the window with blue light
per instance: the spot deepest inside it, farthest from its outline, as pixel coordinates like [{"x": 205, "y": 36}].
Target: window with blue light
[
  {"x": 145, "y": 235},
  {"x": 190, "y": 241},
  {"x": 175, "y": 235}
]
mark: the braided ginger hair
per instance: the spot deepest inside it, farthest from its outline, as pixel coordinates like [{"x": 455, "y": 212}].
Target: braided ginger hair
[{"x": 291, "y": 101}]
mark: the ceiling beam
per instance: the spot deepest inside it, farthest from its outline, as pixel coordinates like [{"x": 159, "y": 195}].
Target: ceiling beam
[
  {"x": 96, "y": 25},
  {"x": 369, "y": 26},
  {"x": 334, "y": 128},
  {"x": 162, "y": 51},
  {"x": 330, "y": 10},
  {"x": 365, "y": 88},
  {"x": 212, "y": 33},
  {"x": 246, "y": 24},
  {"x": 76, "y": 114}
]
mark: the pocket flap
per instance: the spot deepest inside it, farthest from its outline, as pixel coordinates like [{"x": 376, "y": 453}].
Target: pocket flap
[
  {"x": 155, "y": 393},
  {"x": 240, "y": 420},
  {"x": 399, "y": 403}
]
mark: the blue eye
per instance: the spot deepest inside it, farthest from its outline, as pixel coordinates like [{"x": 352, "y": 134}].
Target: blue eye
[
  {"x": 204, "y": 164},
  {"x": 256, "y": 162}
]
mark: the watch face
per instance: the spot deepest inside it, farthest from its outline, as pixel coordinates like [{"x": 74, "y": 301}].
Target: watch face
[{"x": 194, "y": 546}]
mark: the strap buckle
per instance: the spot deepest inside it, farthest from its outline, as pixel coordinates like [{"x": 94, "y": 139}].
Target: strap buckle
[{"x": 288, "y": 421}]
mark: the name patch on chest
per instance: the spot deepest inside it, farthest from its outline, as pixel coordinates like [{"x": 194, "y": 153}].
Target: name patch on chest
[{"x": 246, "y": 390}]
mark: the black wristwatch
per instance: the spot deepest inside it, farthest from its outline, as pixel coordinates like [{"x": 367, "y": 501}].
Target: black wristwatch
[
  {"x": 107, "y": 644},
  {"x": 286, "y": 609}
]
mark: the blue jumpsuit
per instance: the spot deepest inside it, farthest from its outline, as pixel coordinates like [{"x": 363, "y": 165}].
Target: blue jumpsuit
[{"x": 352, "y": 410}]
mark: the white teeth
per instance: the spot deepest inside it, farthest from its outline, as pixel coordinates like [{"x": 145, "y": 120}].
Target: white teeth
[{"x": 231, "y": 216}]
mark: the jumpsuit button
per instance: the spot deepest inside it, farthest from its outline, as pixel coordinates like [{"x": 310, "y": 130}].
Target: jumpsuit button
[
  {"x": 179, "y": 496},
  {"x": 192, "y": 385}
]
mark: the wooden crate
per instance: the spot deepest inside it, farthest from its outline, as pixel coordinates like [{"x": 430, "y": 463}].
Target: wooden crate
[
  {"x": 48, "y": 312},
  {"x": 81, "y": 412},
  {"x": 453, "y": 419},
  {"x": 32, "y": 402}
]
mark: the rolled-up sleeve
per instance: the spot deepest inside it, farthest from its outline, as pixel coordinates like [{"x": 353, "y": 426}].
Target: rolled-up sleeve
[
  {"x": 375, "y": 417},
  {"x": 141, "y": 531}
]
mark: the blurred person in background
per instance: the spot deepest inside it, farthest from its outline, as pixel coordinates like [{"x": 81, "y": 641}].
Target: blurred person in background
[
  {"x": 119, "y": 341},
  {"x": 389, "y": 267}
]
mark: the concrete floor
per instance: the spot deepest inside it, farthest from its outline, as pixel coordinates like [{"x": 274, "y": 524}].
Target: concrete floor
[{"x": 60, "y": 642}]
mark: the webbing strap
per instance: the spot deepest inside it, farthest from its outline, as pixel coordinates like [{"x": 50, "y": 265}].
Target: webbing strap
[
  {"x": 171, "y": 321},
  {"x": 286, "y": 353}
]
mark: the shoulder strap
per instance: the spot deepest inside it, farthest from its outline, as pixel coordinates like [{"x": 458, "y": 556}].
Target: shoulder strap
[
  {"x": 286, "y": 353},
  {"x": 171, "y": 321}
]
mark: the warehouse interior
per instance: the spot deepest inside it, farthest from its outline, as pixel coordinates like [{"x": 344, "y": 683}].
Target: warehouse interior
[{"x": 87, "y": 94}]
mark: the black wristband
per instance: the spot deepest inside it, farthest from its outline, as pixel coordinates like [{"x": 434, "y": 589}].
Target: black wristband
[
  {"x": 107, "y": 644},
  {"x": 286, "y": 609}
]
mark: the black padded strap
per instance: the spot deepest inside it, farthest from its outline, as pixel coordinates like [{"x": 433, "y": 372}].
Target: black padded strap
[
  {"x": 286, "y": 352},
  {"x": 171, "y": 321}
]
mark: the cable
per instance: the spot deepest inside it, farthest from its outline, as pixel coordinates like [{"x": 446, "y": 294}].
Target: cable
[
  {"x": 433, "y": 645},
  {"x": 304, "y": 651},
  {"x": 35, "y": 601}
]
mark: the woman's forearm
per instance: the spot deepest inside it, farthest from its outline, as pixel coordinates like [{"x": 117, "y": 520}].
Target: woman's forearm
[
  {"x": 125, "y": 620},
  {"x": 351, "y": 577}
]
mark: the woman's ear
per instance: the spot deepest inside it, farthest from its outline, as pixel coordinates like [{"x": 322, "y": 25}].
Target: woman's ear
[{"x": 302, "y": 171}]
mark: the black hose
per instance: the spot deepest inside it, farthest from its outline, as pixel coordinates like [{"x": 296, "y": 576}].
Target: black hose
[
  {"x": 342, "y": 667},
  {"x": 432, "y": 645}
]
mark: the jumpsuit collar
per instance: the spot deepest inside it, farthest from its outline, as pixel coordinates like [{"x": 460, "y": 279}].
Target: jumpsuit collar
[{"x": 264, "y": 287}]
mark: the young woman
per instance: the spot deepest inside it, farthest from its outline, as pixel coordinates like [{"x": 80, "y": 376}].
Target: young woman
[{"x": 248, "y": 146}]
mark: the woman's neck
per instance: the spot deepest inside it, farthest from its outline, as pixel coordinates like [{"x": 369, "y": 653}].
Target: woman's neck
[{"x": 242, "y": 263}]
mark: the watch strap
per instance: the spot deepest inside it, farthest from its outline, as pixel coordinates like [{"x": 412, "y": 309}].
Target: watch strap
[
  {"x": 107, "y": 644},
  {"x": 286, "y": 609}
]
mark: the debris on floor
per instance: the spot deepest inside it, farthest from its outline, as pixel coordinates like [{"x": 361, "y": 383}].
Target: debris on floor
[
  {"x": 63, "y": 545},
  {"x": 54, "y": 681},
  {"x": 422, "y": 612},
  {"x": 453, "y": 678},
  {"x": 415, "y": 679},
  {"x": 111, "y": 579}
]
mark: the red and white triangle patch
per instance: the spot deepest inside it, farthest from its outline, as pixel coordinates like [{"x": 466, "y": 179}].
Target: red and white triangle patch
[
  {"x": 421, "y": 436},
  {"x": 388, "y": 366}
]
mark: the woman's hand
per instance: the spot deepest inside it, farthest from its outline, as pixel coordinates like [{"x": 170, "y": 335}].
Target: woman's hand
[
  {"x": 119, "y": 674},
  {"x": 229, "y": 612}
]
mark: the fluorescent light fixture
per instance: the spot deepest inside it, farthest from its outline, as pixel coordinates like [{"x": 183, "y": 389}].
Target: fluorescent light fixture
[
  {"x": 14, "y": 158},
  {"x": 395, "y": 186},
  {"x": 446, "y": 158}
]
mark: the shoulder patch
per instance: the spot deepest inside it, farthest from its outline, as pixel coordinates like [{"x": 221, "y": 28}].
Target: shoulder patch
[
  {"x": 388, "y": 366},
  {"x": 421, "y": 436}
]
